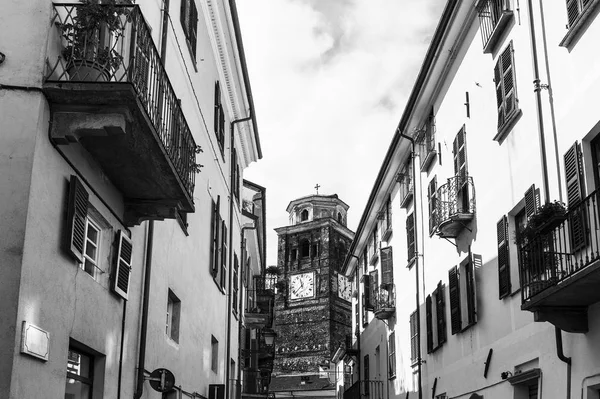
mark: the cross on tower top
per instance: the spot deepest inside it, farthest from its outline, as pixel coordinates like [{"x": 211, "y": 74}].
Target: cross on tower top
[{"x": 317, "y": 188}]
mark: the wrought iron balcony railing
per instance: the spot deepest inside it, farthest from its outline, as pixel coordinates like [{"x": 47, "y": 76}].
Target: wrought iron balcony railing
[
  {"x": 255, "y": 382},
  {"x": 385, "y": 301},
  {"x": 123, "y": 54},
  {"x": 561, "y": 253},
  {"x": 494, "y": 15},
  {"x": 372, "y": 389},
  {"x": 454, "y": 206}
]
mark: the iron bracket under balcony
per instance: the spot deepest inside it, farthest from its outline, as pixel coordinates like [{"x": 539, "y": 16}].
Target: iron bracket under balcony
[
  {"x": 455, "y": 206},
  {"x": 123, "y": 112}
]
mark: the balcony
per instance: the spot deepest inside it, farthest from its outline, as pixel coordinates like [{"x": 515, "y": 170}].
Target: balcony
[
  {"x": 494, "y": 16},
  {"x": 560, "y": 267},
  {"x": 264, "y": 297},
  {"x": 454, "y": 207},
  {"x": 255, "y": 383},
  {"x": 109, "y": 92},
  {"x": 385, "y": 302},
  {"x": 364, "y": 388}
]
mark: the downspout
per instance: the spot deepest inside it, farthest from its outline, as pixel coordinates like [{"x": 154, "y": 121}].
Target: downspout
[
  {"x": 165, "y": 30},
  {"x": 358, "y": 331},
  {"x": 243, "y": 241},
  {"x": 538, "y": 101},
  {"x": 562, "y": 357},
  {"x": 145, "y": 300},
  {"x": 418, "y": 314},
  {"x": 121, "y": 350},
  {"x": 230, "y": 254}
]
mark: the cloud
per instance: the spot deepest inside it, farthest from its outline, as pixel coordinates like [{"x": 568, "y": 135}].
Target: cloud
[{"x": 330, "y": 80}]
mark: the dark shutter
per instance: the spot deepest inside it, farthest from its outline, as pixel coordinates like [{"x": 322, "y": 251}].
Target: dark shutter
[
  {"x": 454, "y": 290},
  {"x": 184, "y": 16},
  {"x": 223, "y": 253},
  {"x": 503, "y": 258},
  {"x": 77, "y": 205},
  {"x": 214, "y": 243},
  {"x": 364, "y": 306},
  {"x": 440, "y": 313},
  {"x": 123, "y": 265},
  {"x": 575, "y": 193},
  {"x": 392, "y": 354},
  {"x": 387, "y": 267},
  {"x": 459, "y": 149},
  {"x": 410, "y": 236},
  {"x": 193, "y": 27},
  {"x": 573, "y": 11},
  {"x": 431, "y": 195},
  {"x": 366, "y": 374},
  {"x": 470, "y": 285},
  {"x": 429, "y": 323},
  {"x": 532, "y": 202},
  {"x": 374, "y": 296},
  {"x": 367, "y": 293},
  {"x": 504, "y": 78}
]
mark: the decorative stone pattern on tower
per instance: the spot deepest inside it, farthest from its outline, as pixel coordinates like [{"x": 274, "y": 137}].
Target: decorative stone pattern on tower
[{"x": 312, "y": 320}]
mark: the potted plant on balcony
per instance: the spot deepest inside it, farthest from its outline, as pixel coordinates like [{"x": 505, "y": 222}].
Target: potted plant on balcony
[
  {"x": 90, "y": 32},
  {"x": 547, "y": 218}
]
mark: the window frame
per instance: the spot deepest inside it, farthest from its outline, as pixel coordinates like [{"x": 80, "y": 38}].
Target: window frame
[
  {"x": 88, "y": 381},
  {"x": 89, "y": 221},
  {"x": 506, "y": 120},
  {"x": 414, "y": 338},
  {"x": 499, "y": 14},
  {"x": 188, "y": 11},
  {"x": 173, "y": 324}
]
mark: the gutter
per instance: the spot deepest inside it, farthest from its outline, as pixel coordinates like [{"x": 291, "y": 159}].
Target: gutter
[
  {"x": 408, "y": 110},
  {"x": 240, "y": 46}
]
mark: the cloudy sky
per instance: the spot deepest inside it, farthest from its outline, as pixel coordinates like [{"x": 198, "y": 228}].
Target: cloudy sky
[{"x": 330, "y": 79}]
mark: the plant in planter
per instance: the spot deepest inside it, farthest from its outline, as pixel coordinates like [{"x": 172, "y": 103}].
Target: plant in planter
[
  {"x": 547, "y": 217},
  {"x": 273, "y": 270},
  {"x": 90, "y": 34}
]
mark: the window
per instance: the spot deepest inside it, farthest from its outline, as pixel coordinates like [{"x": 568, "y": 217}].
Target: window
[
  {"x": 91, "y": 247},
  {"x": 462, "y": 295},
  {"x": 304, "y": 248},
  {"x": 339, "y": 218},
  {"x": 219, "y": 118},
  {"x": 214, "y": 347},
  {"x": 575, "y": 194},
  {"x": 215, "y": 226},
  {"x": 410, "y": 237},
  {"x": 314, "y": 250},
  {"x": 406, "y": 184},
  {"x": 236, "y": 176},
  {"x": 392, "y": 355},
  {"x": 494, "y": 16},
  {"x": 293, "y": 255},
  {"x": 304, "y": 215},
  {"x": 414, "y": 339},
  {"x": 435, "y": 309},
  {"x": 236, "y": 284},
  {"x": 465, "y": 202},
  {"x": 80, "y": 373},
  {"x": 173, "y": 315},
  {"x": 506, "y": 91},
  {"x": 223, "y": 272},
  {"x": 189, "y": 22},
  {"x": 504, "y": 286},
  {"x": 425, "y": 138},
  {"x": 365, "y": 318},
  {"x": 386, "y": 225},
  {"x": 432, "y": 200},
  {"x": 366, "y": 373},
  {"x": 387, "y": 267},
  {"x": 372, "y": 254},
  {"x": 374, "y": 290}
]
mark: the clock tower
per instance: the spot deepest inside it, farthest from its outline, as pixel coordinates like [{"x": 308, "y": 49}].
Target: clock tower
[{"x": 313, "y": 307}]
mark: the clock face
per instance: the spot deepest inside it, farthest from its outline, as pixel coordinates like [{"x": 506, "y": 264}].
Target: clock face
[
  {"x": 302, "y": 286},
  {"x": 344, "y": 288}
]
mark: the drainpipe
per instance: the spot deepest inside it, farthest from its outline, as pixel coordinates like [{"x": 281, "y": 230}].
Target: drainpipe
[
  {"x": 165, "y": 30},
  {"x": 538, "y": 101},
  {"x": 145, "y": 300},
  {"x": 414, "y": 177},
  {"x": 121, "y": 350},
  {"x": 232, "y": 182},
  {"x": 562, "y": 357}
]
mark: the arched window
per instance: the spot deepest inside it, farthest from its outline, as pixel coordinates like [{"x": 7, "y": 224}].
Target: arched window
[
  {"x": 304, "y": 215},
  {"x": 304, "y": 248},
  {"x": 339, "y": 217}
]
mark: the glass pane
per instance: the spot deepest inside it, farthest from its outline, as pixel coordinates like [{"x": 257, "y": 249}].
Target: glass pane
[
  {"x": 90, "y": 250},
  {"x": 77, "y": 390},
  {"x": 92, "y": 233},
  {"x": 89, "y": 267},
  {"x": 78, "y": 364}
]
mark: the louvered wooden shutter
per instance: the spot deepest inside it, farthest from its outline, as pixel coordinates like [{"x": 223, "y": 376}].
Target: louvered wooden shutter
[
  {"x": 440, "y": 313},
  {"x": 573, "y": 11},
  {"x": 367, "y": 292},
  {"x": 470, "y": 285},
  {"x": 429, "y": 323},
  {"x": 454, "y": 289},
  {"x": 532, "y": 201},
  {"x": 193, "y": 26},
  {"x": 217, "y": 116},
  {"x": 184, "y": 16},
  {"x": 77, "y": 204},
  {"x": 142, "y": 64},
  {"x": 460, "y": 154},
  {"x": 504, "y": 78},
  {"x": 223, "y": 253},
  {"x": 503, "y": 258},
  {"x": 431, "y": 195},
  {"x": 123, "y": 265},
  {"x": 413, "y": 337},
  {"x": 215, "y": 223},
  {"x": 575, "y": 193},
  {"x": 374, "y": 286},
  {"x": 387, "y": 267},
  {"x": 392, "y": 354},
  {"x": 410, "y": 236}
]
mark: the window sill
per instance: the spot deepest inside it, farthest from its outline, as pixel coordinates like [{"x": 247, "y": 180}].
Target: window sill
[
  {"x": 490, "y": 46},
  {"x": 182, "y": 224},
  {"x": 508, "y": 125},
  {"x": 411, "y": 262},
  {"x": 428, "y": 160},
  {"x": 407, "y": 199},
  {"x": 577, "y": 29},
  {"x": 374, "y": 259},
  {"x": 192, "y": 56},
  {"x": 387, "y": 235}
]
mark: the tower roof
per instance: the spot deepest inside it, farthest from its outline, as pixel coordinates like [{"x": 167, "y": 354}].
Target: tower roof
[{"x": 320, "y": 199}]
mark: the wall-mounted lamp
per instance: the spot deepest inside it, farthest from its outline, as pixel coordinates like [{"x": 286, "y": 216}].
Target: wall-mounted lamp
[
  {"x": 269, "y": 336},
  {"x": 505, "y": 374}
]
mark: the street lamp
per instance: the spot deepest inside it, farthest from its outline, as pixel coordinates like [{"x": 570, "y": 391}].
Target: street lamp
[{"x": 269, "y": 336}]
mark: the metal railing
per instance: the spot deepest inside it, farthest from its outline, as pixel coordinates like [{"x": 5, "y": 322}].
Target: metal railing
[
  {"x": 385, "y": 298},
  {"x": 255, "y": 382},
  {"x": 455, "y": 197},
  {"x": 560, "y": 248},
  {"x": 125, "y": 53},
  {"x": 490, "y": 12},
  {"x": 372, "y": 389}
]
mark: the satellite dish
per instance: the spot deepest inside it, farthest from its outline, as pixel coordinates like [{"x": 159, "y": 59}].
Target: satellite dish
[{"x": 161, "y": 380}]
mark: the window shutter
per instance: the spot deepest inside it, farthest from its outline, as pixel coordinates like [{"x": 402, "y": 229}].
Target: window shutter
[
  {"x": 440, "y": 313},
  {"x": 387, "y": 267},
  {"x": 470, "y": 284},
  {"x": 184, "y": 16},
  {"x": 460, "y": 154},
  {"x": 575, "y": 193},
  {"x": 503, "y": 258},
  {"x": 572, "y": 11},
  {"x": 431, "y": 195},
  {"x": 504, "y": 77},
  {"x": 429, "y": 322},
  {"x": 410, "y": 236},
  {"x": 367, "y": 293},
  {"x": 217, "y": 117},
  {"x": 142, "y": 64},
  {"x": 215, "y": 223},
  {"x": 193, "y": 26},
  {"x": 374, "y": 286},
  {"x": 223, "y": 253},
  {"x": 123, "y": 265},
  {"x": 531, "y": 201},
  {"x": 77, "y": 204},
  {"x": 454, "y": 289},
  {"x": 392, "y": 354},
  {"x": 413, "y": 337}
]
